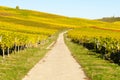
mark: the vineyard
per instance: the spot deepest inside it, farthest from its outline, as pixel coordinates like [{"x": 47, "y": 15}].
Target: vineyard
[
  {"x": 105, "y": 42},
  {"x": 22, "y": 29}
]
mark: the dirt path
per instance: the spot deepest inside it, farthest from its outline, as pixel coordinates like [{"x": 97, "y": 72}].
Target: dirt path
[{"x": 58, "y": 64}]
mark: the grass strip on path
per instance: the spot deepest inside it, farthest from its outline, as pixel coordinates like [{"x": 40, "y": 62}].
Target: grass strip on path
[{"x": 95, "y": 67}]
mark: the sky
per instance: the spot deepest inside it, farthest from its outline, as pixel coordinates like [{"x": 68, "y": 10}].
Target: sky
[{"x": 91, "y": 9}]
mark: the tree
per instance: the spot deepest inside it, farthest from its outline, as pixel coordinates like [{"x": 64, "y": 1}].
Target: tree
[{"x": 17, "y": 7}]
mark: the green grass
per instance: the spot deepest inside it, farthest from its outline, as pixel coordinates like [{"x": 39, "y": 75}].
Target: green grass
[
  {"x": 17, "y": 65},
  {"x": 94, "y": 67}
]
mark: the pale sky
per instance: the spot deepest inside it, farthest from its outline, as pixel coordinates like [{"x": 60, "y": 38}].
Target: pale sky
[{"x": 73, "y": 8}]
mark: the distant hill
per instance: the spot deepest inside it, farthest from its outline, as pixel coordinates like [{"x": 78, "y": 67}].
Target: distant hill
[
  {"x": 41, "y": 19},
  {"x": 110, "y": 19},
  {"x": 36, "y": 19}
]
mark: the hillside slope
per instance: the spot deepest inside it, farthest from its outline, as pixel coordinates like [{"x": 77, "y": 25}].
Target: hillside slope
[{"x": 33, "y": 27}]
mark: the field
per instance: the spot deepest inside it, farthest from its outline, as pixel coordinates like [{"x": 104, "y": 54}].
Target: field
[{"x": 22, "y": 31}]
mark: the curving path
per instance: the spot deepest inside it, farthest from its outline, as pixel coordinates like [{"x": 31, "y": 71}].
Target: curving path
[{"x": 58, "y": 64}]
